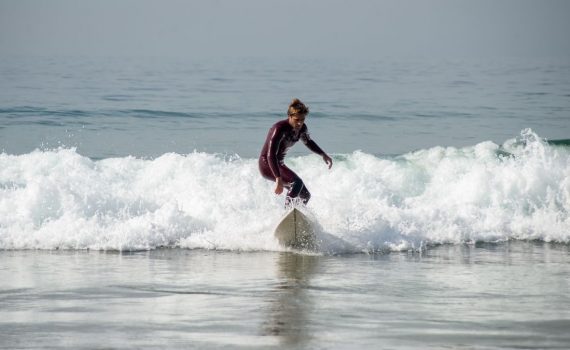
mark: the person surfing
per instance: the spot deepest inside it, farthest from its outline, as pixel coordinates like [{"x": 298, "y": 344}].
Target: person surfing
[{"x": 280, "y": 138}]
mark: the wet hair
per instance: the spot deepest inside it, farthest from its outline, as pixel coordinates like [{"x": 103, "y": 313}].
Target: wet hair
[{"x": 296, "y": 107}]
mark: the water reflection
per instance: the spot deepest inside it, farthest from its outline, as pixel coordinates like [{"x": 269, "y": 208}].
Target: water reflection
[{"x": 289, "y": 310}]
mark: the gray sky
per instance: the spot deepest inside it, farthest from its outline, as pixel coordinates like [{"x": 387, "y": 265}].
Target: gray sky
[{"x": 317, "y": 28}]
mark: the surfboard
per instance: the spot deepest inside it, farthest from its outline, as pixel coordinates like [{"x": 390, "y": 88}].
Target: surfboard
[{"x": 295, "y": 231}]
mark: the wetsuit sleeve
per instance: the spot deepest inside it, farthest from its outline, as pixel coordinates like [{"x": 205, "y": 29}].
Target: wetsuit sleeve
[
  {"x": 274, "y": 142},
  {"x": 312, "y": 145}
]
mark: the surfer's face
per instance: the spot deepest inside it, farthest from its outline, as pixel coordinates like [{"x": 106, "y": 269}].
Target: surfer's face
[{"x": 297, "y": 120}]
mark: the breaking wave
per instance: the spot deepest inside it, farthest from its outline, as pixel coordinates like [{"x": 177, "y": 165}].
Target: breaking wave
[{"x": 58, "y": 199}]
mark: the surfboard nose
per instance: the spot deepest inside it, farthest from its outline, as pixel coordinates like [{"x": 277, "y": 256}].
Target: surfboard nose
[{"x": 296, "y": 231}]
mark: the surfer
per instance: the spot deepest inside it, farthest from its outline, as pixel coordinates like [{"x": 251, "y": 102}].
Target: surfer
[{"x": 282, "y": 136}]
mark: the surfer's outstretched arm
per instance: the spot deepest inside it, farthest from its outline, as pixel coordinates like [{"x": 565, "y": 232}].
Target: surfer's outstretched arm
[
  {"x": 328, "y": 160},
  {"x": 312, "y": 145}
]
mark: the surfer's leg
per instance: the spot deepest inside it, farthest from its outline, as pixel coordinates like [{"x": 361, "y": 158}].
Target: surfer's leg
[
  {"x": 294, "y": 184},
  {"x": 265, "y": 170},
  {"x": 305, "y": 195}
]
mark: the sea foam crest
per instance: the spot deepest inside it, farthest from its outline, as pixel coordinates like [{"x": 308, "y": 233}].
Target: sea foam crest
[{"x": 58, "y": 199}]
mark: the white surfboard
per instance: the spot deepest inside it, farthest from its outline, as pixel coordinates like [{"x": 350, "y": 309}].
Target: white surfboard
[{"x": 295, "y": 231}]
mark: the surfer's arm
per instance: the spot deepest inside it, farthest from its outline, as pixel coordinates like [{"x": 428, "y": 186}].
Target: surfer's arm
[
  {"x": 312, "y": 145},
  {"x": 274, "y": 142}
]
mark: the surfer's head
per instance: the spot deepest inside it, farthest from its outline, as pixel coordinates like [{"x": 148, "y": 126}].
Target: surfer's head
[{"x": 297, "y": 113}]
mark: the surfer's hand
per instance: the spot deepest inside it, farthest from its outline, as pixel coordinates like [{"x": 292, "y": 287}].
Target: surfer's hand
[
  {"x": 279, "y": 186},
  {"x": 327, "y": 160}
]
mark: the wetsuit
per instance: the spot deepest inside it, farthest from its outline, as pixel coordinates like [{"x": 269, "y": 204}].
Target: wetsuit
[{"x": 280, "y": 138}]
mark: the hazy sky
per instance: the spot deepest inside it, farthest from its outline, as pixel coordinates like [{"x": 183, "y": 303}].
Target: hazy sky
[{"x": 317, "y": 28}]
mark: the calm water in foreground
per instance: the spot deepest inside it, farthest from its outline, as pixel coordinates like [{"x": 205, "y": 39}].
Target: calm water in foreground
[
  {"x": 509, "y": 295},
  {"x": 158, "y": 157}
]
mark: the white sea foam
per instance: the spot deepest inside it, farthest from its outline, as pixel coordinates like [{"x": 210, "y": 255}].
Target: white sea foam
[{"x": 60, "y": 199}]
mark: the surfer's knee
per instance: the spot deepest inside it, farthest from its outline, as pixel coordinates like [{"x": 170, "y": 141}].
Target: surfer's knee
[
  {"x": 305, "y": 195},
  {"x": 298, "y": 190},
  {"x": 297, "y": 187},
  {"x": 306, "y": 198}
]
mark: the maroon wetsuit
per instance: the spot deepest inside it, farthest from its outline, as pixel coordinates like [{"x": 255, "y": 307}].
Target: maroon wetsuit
[{"x": 280, "y": 138}]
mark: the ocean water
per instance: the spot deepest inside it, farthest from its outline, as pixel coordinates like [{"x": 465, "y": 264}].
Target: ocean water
[
  {"x": 485, "y": 296},
  {"x": 145, "y": 107},
  {"x": 131, "y": 205}
]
